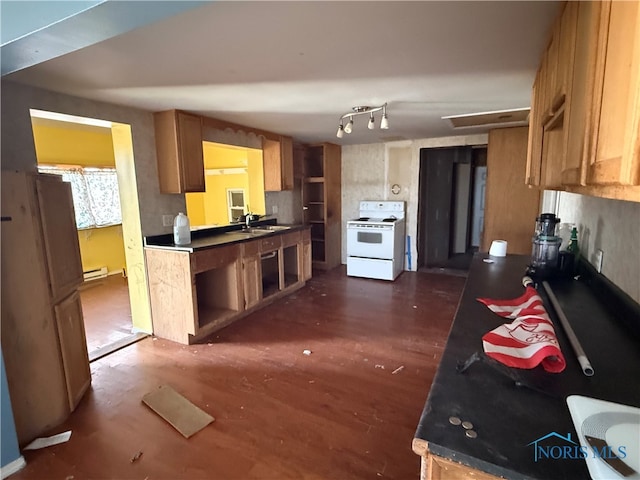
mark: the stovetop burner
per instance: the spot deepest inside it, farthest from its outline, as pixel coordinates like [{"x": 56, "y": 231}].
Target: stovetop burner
[
  {"x": 362, "y": 219},
  {"x": 389, "y": 219}
]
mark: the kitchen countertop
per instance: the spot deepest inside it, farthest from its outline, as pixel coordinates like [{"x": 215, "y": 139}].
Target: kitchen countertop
[
  {"x": 506, "y": 417},
  {"x": 202, "y": 239}
]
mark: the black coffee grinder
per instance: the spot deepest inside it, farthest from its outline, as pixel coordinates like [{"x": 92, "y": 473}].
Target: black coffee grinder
[{"x": 546, "y": 248}]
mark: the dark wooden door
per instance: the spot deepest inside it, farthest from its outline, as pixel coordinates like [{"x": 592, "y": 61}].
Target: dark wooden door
[{"x": 436, "y": 170}]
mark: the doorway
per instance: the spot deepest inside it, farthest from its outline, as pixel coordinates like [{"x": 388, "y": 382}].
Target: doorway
[
  {"x": 450, "y": 206},
  {"x": 83, "y": 151}
]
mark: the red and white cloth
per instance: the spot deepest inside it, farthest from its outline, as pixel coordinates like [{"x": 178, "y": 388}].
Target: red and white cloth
[{"x": 527, "y": 341}]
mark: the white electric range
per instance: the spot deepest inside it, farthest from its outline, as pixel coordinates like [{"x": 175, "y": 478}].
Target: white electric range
[{"x": 376, "y": 241}]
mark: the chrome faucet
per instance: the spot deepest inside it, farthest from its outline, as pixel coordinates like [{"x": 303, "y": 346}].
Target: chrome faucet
[{"x": 247, "y": 217}]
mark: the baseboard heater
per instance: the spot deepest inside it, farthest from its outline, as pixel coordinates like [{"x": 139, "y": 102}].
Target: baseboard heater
[{"x": 95, "y": 274}]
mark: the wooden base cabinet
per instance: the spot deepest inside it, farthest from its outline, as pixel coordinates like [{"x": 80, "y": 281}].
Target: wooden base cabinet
[
  {"x": 434, "y": 467},
  {"x": 194, "y": 294},
  {"x": 43, "y": 336}
]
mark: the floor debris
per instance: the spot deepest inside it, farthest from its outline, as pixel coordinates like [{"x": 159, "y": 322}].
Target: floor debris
[
  {"x": 398, "y": 370},
  {"x": 380, "y": 366},
  {"x": 44, "y": 442},
  {"x": 136, "y": 457},
  {"x": 306, "y": 352},
  {"x": 183, "y": 415}
]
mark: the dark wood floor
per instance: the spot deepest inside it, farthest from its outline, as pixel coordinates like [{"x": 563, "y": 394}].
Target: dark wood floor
[
  {"x": 339, "y": 413},
  {"x": 106, "y": 310}
]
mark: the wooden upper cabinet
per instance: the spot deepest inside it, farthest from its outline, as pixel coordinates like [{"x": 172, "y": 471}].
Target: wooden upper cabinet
[
  {"x": 614, "y": 158},
  {"x": 585, "y": 116},
  {"x": 551, "y": 135},
  {"x": 277, "y": 156},
  {"x": 534, "y": 146},
  {"x": 179, "y": 152},
  {"x": 580, "y": 103}
]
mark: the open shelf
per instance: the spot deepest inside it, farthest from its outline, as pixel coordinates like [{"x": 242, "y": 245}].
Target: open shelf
[
  {"x": 210, "y": 316},
  {"x": 321, "y": 199},
  {"x": 314, "y": 161},
  {"x": 290, "y": 265},
  {"x": 216, "y": 292},
  {"x": 317, "y": 251},
  {"x": 270, "y": 275},
  {"x": 314, "y": 192}
]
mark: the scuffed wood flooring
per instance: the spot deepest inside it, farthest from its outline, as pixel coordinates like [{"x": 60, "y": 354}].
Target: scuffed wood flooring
[{"x": 338, "y": 413}]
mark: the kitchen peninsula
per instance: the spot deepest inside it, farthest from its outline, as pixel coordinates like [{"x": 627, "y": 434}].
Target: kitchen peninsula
[
  {"x": 224, "y": 274},
  {"x": 512, "y": 409}
]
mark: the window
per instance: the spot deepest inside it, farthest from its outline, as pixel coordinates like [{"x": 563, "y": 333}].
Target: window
[
  {"x": 235, "y": 203},
  {"x": 96, "y": 198}
]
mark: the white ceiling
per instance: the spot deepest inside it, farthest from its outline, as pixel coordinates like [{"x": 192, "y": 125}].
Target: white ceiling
[{"x": 295, "y": 67}]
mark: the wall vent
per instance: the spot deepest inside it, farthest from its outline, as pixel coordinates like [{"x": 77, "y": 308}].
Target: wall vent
[
  {"x": 95, "y": 274},
  {"x": 511, "y": 118}
]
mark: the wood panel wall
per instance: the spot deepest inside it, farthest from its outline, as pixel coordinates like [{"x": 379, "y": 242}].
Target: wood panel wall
[{"x": 511, "y": 207}]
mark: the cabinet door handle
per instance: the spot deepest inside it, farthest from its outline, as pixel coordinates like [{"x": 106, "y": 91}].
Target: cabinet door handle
[
  {"x": 267, "y": 256},
  {"x": 305, "y": 208}
]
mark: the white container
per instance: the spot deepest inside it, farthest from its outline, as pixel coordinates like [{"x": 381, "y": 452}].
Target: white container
[
  {"x": 181, "y": 230},
  {"x": 498, "y": 248}
]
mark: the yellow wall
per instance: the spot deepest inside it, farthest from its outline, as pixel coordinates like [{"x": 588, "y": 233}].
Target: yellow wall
[
  {"x": 73, "y": 146},
  {"x": 98, "y": 248},
  {"x": 78, "y": 145},
  {"x": 210, "y": 208}
]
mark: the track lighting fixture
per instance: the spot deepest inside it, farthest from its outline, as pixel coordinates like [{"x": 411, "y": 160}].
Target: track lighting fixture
[
  {"x": 384, "y": 123},
  {"x": 372, "y": 124},
  {"x": 361, "y": 110},
  {"x": 349, "y": 126}
]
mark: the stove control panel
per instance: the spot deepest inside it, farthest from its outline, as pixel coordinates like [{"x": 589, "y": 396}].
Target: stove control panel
[{"x": 382, "y": 207}]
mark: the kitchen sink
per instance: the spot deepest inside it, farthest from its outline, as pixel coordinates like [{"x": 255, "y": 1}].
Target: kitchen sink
[
  {"x": 274, "y": 228},
  {"x": 249, "y": 232},
  {"x": 260, "y": 231}
]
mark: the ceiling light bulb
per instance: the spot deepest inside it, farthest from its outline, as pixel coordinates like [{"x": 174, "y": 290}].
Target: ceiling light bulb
[
  {"x": 349, "y": 126},
  {"x": 384, "y": 123},
  {"x": 340, "y": 131},
  {"x": 371, "y": 125}
]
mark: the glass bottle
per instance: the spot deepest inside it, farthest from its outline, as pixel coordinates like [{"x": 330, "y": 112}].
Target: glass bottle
[{"x": 573, "y": 242}]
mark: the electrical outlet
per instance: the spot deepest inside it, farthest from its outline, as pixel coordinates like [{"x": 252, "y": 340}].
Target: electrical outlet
[
  {"x": 274, "y": 209},
  {"x": 598, "y": 257},
  {"x": 167, "y": 220}
]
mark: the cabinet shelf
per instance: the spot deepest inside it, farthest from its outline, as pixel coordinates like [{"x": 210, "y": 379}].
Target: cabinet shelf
[
  {"x": 210, "y": 316},
  {"x": 314, "y": 180}
]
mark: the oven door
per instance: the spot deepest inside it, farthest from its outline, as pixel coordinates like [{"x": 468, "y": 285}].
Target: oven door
[{"x": 370, "y": 241}]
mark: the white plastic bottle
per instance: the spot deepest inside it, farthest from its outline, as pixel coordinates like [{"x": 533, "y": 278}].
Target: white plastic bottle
[{"x": 181, "y": 230}]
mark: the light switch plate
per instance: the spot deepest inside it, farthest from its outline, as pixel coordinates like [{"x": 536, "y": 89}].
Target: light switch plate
[
  {"x": 599, "y": 254},
  {"x": 167, "y": 220}
]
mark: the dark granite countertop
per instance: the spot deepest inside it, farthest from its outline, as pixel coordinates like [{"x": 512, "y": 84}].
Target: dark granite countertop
[
  {"x": 202, "y": 239},
  {"x": 506, "y": 417}
]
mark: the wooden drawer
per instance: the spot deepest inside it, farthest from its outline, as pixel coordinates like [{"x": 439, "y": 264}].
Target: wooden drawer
[
  {"x": 270, "y": 243},
  {"x": 289, "y": 239},
  {"x": 213, "y": 258},
  {"x": 250, "y": 249}
]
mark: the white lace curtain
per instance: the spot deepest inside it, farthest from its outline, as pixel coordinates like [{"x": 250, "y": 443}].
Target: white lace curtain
[{"x": 96, "y": 198}]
